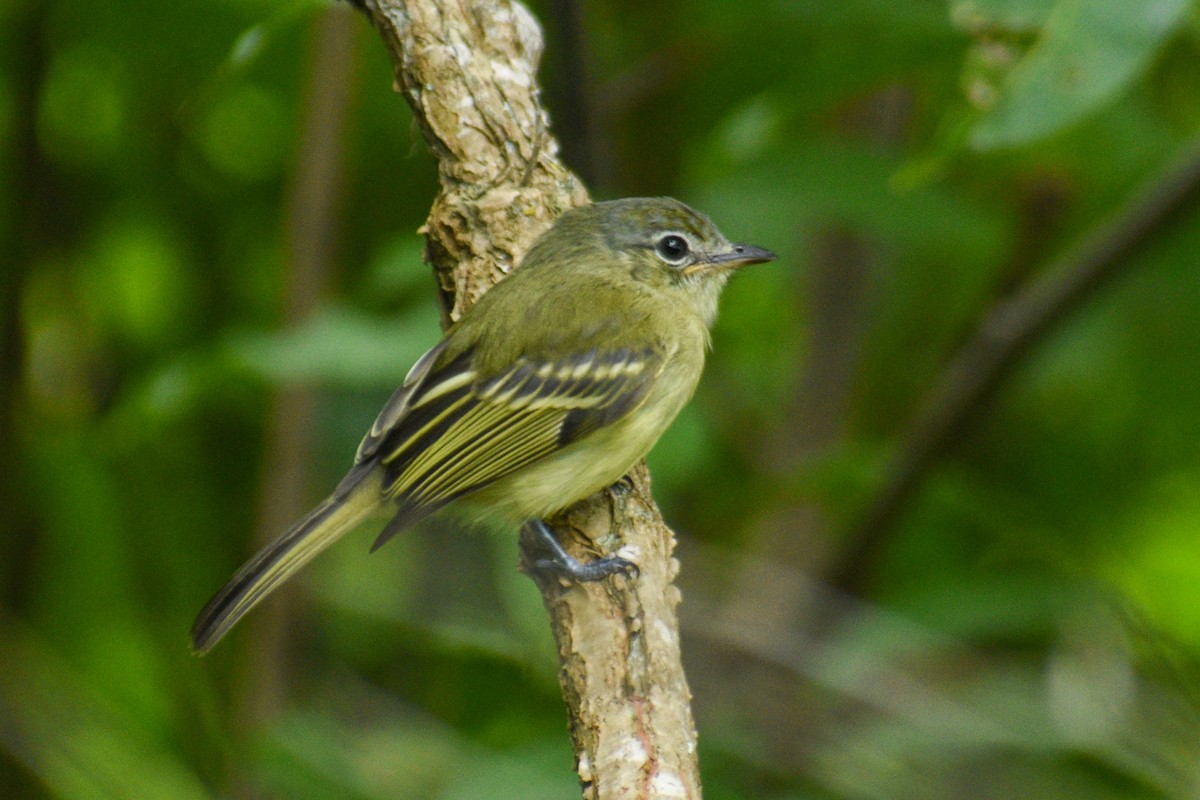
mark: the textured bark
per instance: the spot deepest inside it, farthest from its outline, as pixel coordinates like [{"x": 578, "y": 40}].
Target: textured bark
[{"x": 468, "y": 69}]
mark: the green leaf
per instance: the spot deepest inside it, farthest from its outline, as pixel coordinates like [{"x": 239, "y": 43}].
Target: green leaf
[
  {"x": 1090, "y": 51},
  {"x": 309, "y": 755},
  {"x": 1012, "y": 15},
  {"x": 76, "y": 740},
  {"x": 340, "y": 346},
  {"x": 395, "y": 269}
]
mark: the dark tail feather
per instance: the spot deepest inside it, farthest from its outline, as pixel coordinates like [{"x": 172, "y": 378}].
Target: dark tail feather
[
  {"x": 279, "y": 560},
  {"x": 406, "y": 516}
]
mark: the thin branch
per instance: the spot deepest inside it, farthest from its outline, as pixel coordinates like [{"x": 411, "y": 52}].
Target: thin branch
[
  {"x": 468, "y": 69},
  {"x": 574, "y": 93},
  {"x": 310, "y": 224},
  {"x": 38, "y": 213},
  {"x": 1005, "y": 338}
]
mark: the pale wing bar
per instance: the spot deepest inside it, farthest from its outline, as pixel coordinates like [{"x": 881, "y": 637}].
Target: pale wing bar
[{"x": 459, "y": 436}]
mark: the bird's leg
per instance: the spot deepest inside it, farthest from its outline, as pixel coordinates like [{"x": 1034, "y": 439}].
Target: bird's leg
[
  {"x": 564, "y": 565},
  {"x": 618, "y": 493}
]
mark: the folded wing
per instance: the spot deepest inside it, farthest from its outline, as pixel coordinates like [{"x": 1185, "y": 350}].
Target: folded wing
[{"x": 456, "y": 431}]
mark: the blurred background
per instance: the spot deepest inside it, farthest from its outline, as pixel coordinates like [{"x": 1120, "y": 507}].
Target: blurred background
[{"x": 938, "y": 496}]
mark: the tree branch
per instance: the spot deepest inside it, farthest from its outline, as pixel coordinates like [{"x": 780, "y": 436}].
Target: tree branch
[
  {"x": 309, "y": 234},
  {"x": 468, "y": 69},
  {"x": 1007, "y": 334}
]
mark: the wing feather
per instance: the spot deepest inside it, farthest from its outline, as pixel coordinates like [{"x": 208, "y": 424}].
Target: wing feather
[
  {"x": 456, "y": 432},
  {"x": 483, "y": 433},
  {"x": 522, "y": 442},
  {"x": 400, "y": 403}
]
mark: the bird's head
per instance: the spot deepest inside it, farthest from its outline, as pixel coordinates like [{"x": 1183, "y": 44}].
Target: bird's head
[{"x": 661, "y": 242}]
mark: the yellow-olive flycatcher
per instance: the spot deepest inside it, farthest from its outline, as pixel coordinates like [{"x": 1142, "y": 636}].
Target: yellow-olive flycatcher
[{"x": 546, "y": 391}]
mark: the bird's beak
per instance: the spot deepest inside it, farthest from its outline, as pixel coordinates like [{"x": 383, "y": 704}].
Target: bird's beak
[{"x": 738, "y": 255}]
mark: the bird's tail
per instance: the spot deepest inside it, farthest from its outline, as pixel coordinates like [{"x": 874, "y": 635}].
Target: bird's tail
[{"x": 278, "y": 561}]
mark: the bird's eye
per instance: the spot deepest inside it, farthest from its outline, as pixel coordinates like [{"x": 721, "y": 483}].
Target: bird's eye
[{"x": 672, "y": 248}]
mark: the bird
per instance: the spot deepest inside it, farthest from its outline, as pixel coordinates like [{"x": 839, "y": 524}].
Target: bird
[{"x": 549, "y": 389}]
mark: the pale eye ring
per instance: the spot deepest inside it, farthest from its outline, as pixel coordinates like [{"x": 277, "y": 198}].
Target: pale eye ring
[{"x": 672, "y": 248}]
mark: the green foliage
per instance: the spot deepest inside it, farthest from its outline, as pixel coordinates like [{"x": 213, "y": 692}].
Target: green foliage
[
  {"x": 340, "y": 346},
  {"x": 1085, "y": 53},
  {"x": 1027, "y": 624}
]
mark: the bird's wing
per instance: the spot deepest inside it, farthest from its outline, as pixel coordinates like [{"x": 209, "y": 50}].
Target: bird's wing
[
  {"x": 456, "y": 432},
  {"x": 398, "y": 404}
]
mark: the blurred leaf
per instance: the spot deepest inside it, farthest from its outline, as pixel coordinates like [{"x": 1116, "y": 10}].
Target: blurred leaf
[
  {"x": 1089, "y": 52},
  {"x": 341, "y": 346},
  {"x": 77, "y": 490},
  {"x": 1156, "y": 563},
  {"x": 79, "y": 743},
  {"x": 312, "y": 755},
  {"x": 246, "y": 133},
  {"x": 747, "y": 131},
  {"x": 402, "y": 754},
  {"x": 1013, "y": 15},
  {"x": 248, "y": 45},
  {"x": 398, "y": 268},
  {"x": 273, "y": 28},
  {"x": 81, "y": 115},
  {"x": 136, "y": 283},
  {"x": 775, "y": 198},
  {"x": 540, "y": 770}
]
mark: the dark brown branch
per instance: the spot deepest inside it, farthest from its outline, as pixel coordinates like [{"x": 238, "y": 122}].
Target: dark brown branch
[
  {"x": 39, "y": 218},
  {"x": 310, "y": 223},
  {"x": 1009, "y": 332},
  {"x": 468, "y": 69},
  {"x": 574, "y": 92}
]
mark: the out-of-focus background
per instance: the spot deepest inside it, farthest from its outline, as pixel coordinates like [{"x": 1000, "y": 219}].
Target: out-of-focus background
[{"x": 921, "y": 559}]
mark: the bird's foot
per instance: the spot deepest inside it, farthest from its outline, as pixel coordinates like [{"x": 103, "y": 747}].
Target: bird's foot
[{"x": 562, "y": 564}]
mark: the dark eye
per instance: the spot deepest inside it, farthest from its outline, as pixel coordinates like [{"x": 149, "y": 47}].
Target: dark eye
[{"x": 672, "y": 248}]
